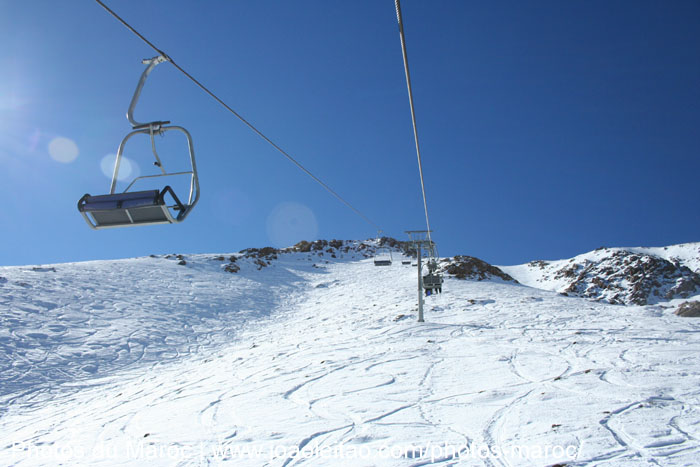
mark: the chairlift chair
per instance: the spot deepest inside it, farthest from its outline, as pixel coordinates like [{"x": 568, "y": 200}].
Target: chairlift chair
[
  {"x": 384, "y": 258},
  {"x": 433, "y": 280},
  {"x": 132, "y": 208}
]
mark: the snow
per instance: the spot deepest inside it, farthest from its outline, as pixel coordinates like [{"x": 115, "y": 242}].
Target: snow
[
  {"x": 688, "y": 254},
  {"x": 547, "y": 275},
  {"x": 321, "y": 361}
]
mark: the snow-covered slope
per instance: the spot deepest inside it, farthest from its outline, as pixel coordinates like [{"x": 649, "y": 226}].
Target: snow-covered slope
[
  {"x": 319, "y": 360},
  {"x": 619, "y": 275}
]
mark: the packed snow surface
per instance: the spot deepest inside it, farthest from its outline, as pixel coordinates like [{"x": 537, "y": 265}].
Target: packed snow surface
[{"x": 320, "y": 361}]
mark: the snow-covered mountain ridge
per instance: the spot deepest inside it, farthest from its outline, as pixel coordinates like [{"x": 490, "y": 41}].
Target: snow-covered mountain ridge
[
  {"x": 632, "y": 276},
  {"x": 300, "y": 357},
  {"x": 635, "y": 276},
  {"x": 619, "y": 275}
]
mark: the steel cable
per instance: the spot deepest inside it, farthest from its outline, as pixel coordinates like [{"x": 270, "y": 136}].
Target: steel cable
[
  {"x": 413, "y": 112},
  {"x": 239, "y": 116}
]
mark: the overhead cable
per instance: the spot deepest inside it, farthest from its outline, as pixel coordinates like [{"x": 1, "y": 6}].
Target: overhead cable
[
  {"x": 413, "y": 112},
  {"x": 239, "y": 116}
]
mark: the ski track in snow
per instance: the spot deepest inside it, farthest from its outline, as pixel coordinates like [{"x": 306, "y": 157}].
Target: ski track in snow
[{"x": 148, "y": 353}]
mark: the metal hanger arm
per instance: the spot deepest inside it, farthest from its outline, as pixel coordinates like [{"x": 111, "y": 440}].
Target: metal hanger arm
[{"x": 151, "y": 62}]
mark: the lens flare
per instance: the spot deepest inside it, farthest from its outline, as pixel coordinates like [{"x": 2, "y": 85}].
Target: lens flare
[
  {"x": 291, "y": 222},
  {"x": 127, "y": 168},
  {"x": 63, "y": 150}
]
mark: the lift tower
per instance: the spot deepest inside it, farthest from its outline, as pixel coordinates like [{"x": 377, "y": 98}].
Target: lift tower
[{"x": 423, "y": 244}]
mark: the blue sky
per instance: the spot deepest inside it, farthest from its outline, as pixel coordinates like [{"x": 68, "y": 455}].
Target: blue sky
[{"x": 547, "y": 128}]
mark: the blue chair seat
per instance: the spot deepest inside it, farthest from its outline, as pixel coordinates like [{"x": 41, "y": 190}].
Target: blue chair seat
[{"x": 129, "y": 209}]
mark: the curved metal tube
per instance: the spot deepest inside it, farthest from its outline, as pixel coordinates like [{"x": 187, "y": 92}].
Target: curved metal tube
[{"x": 151, "y": 62}]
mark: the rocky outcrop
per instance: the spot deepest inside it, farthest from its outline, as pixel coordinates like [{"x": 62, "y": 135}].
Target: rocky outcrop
[
  {"x": 689, "y": 310},
  {"x": 630, "y": 278},
  {"x": 469, "y": 267},
  {"x": 614, "y": 275},
  {"x": 324, "y": 249}
]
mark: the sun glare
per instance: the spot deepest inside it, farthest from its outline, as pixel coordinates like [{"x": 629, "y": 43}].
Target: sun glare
[
  {"x": 63, "y": 150},
  {"x": 128, "y": 169},
  {"x": 288, "y": 222}
]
